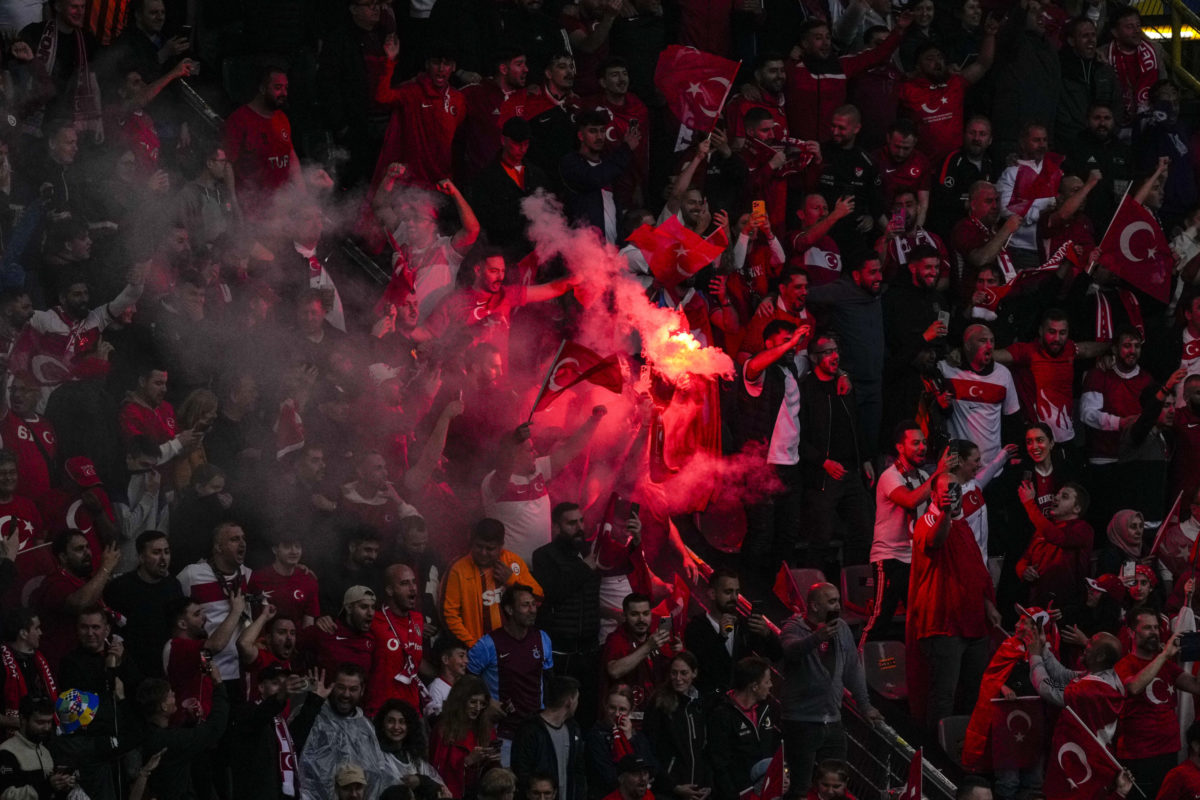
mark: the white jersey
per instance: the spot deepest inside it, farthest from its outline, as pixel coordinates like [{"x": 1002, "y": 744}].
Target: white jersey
[
  {"x": 211, "y": 591},
  {"x": 980, "y": 402}
]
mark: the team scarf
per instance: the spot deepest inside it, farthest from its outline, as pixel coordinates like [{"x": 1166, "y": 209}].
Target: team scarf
[
  {"x": 289, "y": 779},
  {"x": 14, "y": 683},
  {"x": 1104, "y": 314},
  {"x": 1135, "y": 87},
  {"x": 86, "y": 100},
  {"x": 1003, "y": 260}
]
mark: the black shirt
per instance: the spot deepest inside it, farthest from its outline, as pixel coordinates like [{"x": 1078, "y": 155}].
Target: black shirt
[{"x": 146, "y": 628}]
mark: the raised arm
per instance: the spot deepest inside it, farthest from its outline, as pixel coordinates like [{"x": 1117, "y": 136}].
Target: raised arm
[
  {"x": 566, "y": 452},
  {"x": 469, "y": 232}
]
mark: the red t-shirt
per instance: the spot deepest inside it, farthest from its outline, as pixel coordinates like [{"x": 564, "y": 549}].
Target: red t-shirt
[
  {"x": 58, "y": 625},
  {"x": 735, "y": 113},
  {"x": 137, "y": 133},
  {"x": 1046, "y": 385},
  {"x": 420, "y": 132},
  {"x": 488, "y": 316},
  {"x": 294, "y": 596},
  {"x": 488, "y": 108},
  {"x": 397, "y": 656},
  {"x": 1122, "y": 398},
  {"x": 912, "y": 175},
  {"x": 23, "y": 436},
  {"x": 343, "y": 646},
  {"x": 1047, "y": 487},
  {"x": 1148, "y": 726},
  {"x": 649, "y": 672},
  {"x": 192, "y": 685},
  {"x": 62, "y": 511},
  {"x": 1181, "y": 783},
  {"x": 938, "y": 112},
  {"x": 260, "y": 149},
  {"x": 140, "y": 420}
]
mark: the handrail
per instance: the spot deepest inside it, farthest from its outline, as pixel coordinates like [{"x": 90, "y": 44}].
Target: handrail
[{"x": 1181, "y": 14}]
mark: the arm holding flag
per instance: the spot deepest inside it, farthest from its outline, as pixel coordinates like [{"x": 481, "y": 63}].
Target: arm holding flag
[
  {"x": 565, "y": 453},
  {"x": 684, "y": 180},
  {"x": 1160, "y": 171}
]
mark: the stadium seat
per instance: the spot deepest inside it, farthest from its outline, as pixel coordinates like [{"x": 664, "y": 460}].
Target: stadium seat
[
  {"x": 951, "y": 732},
  {"x": 858, "y": 593},
  {"x": 886, "y": 668},
  {"x": 805, "y": 577}
]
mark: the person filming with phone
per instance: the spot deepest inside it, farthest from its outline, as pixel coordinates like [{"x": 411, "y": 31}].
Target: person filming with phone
[{"x": 820, "y": 661}]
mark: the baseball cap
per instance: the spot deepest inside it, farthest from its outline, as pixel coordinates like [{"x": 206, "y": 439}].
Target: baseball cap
[
  {"x": 356, "y": 593},
  {"x": 82, "y": 471},
  {"x": 632, "y": 764},
  {"x": 348, "y": 774},
  {"x": 272, "y": 671},
  {"x": 517, "y": 129}
]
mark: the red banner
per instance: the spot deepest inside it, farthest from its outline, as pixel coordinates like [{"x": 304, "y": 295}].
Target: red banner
[{"x": 1018, "y": 732}]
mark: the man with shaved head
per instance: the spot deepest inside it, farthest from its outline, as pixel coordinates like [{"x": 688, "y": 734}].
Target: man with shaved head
[
  {"x": 983, "y": 394},
  {"x": 847, "y": 170},
  {"x": 398, "y": 630},
  {"x": 820, "y": 659}
]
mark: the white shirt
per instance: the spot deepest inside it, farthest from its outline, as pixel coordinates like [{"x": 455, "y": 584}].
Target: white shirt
[
  {"x": 200, "y": 583},
  {"x": 1025, "y": 237},
  {"x": 980, "y": 401},
  {"x": 784, "y": 447},
  {"x": 524, "y": 508},
  {"x": 893, "y": 522},
  {"x": 435, "y": 269}
]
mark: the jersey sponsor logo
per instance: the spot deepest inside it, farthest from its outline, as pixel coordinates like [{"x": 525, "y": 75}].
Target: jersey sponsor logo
[
  {"x": 393, "y": 645},
  {"x": 491, "y": 597}
]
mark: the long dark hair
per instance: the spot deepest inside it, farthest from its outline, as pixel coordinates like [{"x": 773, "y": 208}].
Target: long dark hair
[
  {"x": 453, "y": 724},
  {"x": 667, "y": 699},
  {"x": 416, "y": 743}
]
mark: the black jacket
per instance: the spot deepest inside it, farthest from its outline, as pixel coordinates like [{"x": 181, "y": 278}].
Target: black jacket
[
  {"x": 735, "y": 745},
  {"x": 252, "y": 734},
  {"x": 571, "y": 611},
  {"x": 680, "y": 738},
  {"x": 824, "y": 416},
  {"x": 496, "y": 200},
  {"x": 533, "y": 752},
  {"x": 716, "y": 665}
]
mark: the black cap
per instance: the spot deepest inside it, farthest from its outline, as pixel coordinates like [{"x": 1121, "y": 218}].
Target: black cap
[
  {"x": 517, "y": 129},
  {"x": 632, "y": 764},
  {"x": 273, "y": 671}
]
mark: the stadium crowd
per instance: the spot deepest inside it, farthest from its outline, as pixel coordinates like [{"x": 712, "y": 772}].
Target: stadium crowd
[{"x": 519, "y": 398}]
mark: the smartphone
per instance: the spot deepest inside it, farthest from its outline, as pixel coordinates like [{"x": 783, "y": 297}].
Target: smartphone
[
  {"x": 186, "y": 32},
  {"x": 664, "y": 623},
  {"x": 1189, "y": 646},
  {"x": 756, "y": 607},
  {"x": 899, "y": 220},
  {"x": 634, "y": 123},
  {"x": 944, "y": 318},
  {"x": 758, "y": 208}
]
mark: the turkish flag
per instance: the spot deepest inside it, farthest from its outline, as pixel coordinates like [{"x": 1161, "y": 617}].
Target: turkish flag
[
  {"x": 1171, "y": 546},
  {"x": 1031, "y": 185},
  {"x": 787, "y": 591},
  {"x": 916, "y": 779},
  {"x": 1135, "y": 250},
  {"x": 1018, "y": 731},
  {"x": 695, "y": 85},
  {"x": 575, "y": 364},
  {"x": 773, "y": 781},
  {"x": 1080, "y": 767},
  {"x": 675, "y": 606},
  {"x": 674, "y": 252}
]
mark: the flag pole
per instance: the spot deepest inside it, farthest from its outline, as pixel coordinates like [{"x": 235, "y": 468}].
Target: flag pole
[
  {"x": 1166, "y": 522},
  {"x": 546, "y": 380},
  {"x": 1114, "y": 216},
  {"x": 725, "y": 99}
]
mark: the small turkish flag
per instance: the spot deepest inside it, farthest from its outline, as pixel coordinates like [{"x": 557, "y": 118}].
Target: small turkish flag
[
  {"x": 1031, "y": 185},
  {"x": 1080, "y": 767},
  {"x": 915, "y": 784},
  {"x": 675, "y": 606},
  {"x": 676, "y": 253},
  {"x": 1172, "y": 546},
  {"x": 575, "y": 364},
  {"x": 1017, "y": 732},
  {"x": 1135, "y": 249},
  {"x": 787, "y": 591},
  {"x": 773, "y": 783}
]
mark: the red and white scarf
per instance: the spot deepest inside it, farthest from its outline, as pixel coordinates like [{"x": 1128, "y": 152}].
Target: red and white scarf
[
  {"x": 289, "y": 777},
  {"x": 1104, "y": 315},
  {"x": 14, "y": 680},
  {"x": 86, "y": 99},
  {"x": 1137, "y": 72}
]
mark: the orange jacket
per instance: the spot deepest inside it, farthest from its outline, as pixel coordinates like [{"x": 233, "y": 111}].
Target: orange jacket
[{"x": 471, "y": 598}]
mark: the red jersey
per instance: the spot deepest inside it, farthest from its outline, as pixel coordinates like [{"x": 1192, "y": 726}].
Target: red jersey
[
  {"x": 813, "y": 96},
  {"x": 343, "y": 646},
  {"x": 948, "y": 584},
  {"x": 260, "y": 149},
  {"x": 587, "y": 81},
  {"x": 1185, "y": 465},
  {"x": 1047, "y": 487},
  {"x": 1122, "y": 398},
  {"x": 58, "y": 624},
  {"x": 735, "y": 113},
  {"x": 707, "y": 25},
  {"x": 938, "y": 111},
  {"x": 1181, "y": 783},
  {"x": 1046, "y": 385},
  {"x": 488, "y": 316},
  {"x": 1053, "y": 234},
  {"x": 421, "y": 130},
  {"x": 396, "y": 658},
  {"x": 1148, "y": 726},
  {"x": 649, "y": 672},
  {"x": 264, "y": 659},
  {"x": 971, "y": 234},
  {"x": 138, "y": 135},
  {"x": 822, "y": 259},
  {"x": 1061, "y": 552},
  {"x": 189, "y": 680},
  {"x": 34, "y": 443},
  {"x": 138, "y": 419},
  {"x": 294, "y": 596},
  {"x": 912, "y": 175},
  {"x": 488, "y": 108}
]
